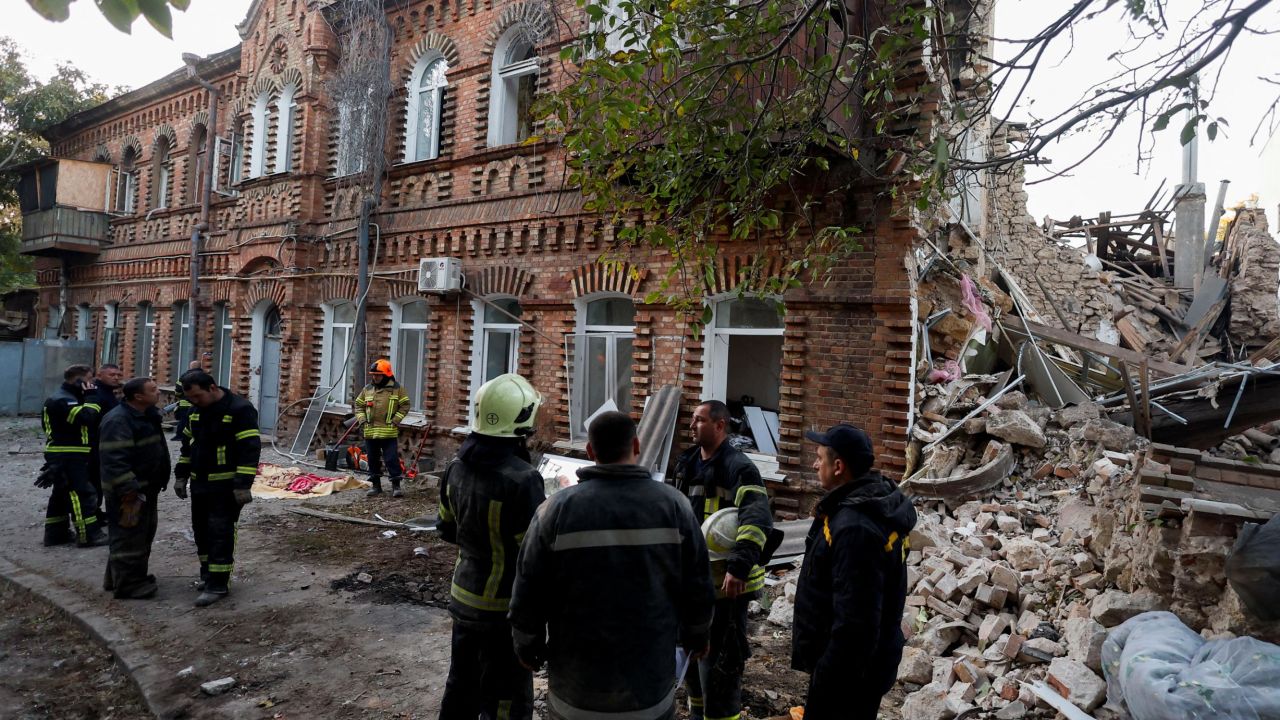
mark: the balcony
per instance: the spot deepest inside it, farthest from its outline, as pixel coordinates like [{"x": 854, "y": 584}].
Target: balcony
[{"x": 64, "y": 205}]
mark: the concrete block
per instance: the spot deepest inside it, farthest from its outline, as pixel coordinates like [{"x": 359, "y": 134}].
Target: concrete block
[{"x": 1077, "y": 683}]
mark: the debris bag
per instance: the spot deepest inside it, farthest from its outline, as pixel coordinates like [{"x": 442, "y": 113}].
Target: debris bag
[
  {"x": 1157, "y": 668},
  {"x": 1253, "y": 568}
]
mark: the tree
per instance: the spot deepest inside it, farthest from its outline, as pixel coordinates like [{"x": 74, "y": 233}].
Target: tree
[
  {"x": 27, "y": 106},
  {"x": 702, "y": 120},
  {"x": 120, "y": 13}
]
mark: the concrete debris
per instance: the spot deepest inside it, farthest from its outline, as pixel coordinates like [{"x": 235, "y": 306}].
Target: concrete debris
[
  {"x": 217, "y": 687},
  {"x": 1016, "y": 427},
  {"x": 1077, "y": 683},
  {"x": 915, "y": 667},
  {"x": 783, "y": 610},
  {"x": 1084, "y": 638},
  {"x": 1114, "y": 606}
]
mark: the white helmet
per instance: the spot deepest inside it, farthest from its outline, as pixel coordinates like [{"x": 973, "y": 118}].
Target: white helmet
[{"x": 721, "y": 532}]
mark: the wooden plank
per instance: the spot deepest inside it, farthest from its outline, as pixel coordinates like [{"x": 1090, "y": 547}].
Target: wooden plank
[
  {"x": 1130, "y": 334},
  {"x": 1144, "y": 377},
  {"x": 1079, "y": 342},
  {"x": 1190, "y": 341},
  {"x": 1160, "y": 241}
]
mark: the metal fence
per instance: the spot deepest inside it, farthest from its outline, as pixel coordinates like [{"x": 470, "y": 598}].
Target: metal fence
[{"x": 31, "y": 371}]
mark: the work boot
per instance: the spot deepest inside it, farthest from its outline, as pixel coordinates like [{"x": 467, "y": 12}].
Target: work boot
[
  {"x": 60, "y": 536},
  {"x": 395, "y": 488},
  {"x": 95, "y": 538},
  {"x": 209, "y": 597},
  {"x": 376, "y": 489},
  {"x": 143, "y": 591}
]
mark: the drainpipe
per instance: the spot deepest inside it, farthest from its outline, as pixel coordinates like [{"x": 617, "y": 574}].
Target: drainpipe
[
  {"x": 362, "y": 290},
  {"x": 211, "y": 162}
]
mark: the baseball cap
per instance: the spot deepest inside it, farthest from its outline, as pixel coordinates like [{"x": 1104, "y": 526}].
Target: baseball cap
[{"x": 849, "y": 442}]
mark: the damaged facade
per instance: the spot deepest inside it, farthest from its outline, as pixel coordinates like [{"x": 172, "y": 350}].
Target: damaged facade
[{"x": 278, "y": 284}]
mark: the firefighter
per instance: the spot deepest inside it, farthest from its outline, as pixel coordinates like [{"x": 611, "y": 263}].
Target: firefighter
[
  {"x": 611, "y": 578},
  {"x": 487, "y": 496},
  {"x": 135, "y": 470},
  {"x": 103, "y": 393},
  {"x": 219, "y": 461},
  {"x": 182, "y": 406},
  {"x": 714, "y": 475},
  {"x": 379, "y": 409},
  {"x": 70, "y": 423}
]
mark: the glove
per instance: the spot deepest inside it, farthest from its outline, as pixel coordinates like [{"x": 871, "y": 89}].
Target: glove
[
  {"x": 244, "y": 496},
  {"x": 47, "y": 477},
  {"x": 131, "y": 509},
  {"x": 180, "y": 487}
]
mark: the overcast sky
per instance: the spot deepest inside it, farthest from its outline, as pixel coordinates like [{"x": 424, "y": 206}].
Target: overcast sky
[{"x": 1108, "y": 182}]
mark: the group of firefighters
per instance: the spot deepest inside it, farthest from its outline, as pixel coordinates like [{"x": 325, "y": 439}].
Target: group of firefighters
[{"x": 621, "y": 586}]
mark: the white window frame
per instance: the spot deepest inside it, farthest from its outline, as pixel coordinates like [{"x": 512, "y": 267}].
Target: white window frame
[
  {"x": 417, "y": 93},
  {"x": 181, "y": 338},
  {"x": 716, "y": 358},
  {"x": 84, "y": 315},
  {"x": 347, "y": 123},
  {"x": 398, "y": 327},
  {"x": 223, "y": 343},
  {"x": 258, "y": 152},
  {"x": 110, "y": 334},
  {"x": 578, "y": 413},
  {"x": 480, "y": 345},
  {"x": 146, "y": 338},
  {"x": 286, "y": 106},
  {"x": 165, "y": 178},
  {"x": 504, "y": 88},
  {"x": 335, "y": 352},
  {"x": 235, "y": 171}
]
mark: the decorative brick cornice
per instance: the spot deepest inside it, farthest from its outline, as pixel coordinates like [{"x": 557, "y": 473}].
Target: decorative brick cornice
[
  {"x": 165, "y": 132},
  {"x": 598, "y": 277},
  {"x": 504, "y": 280},
  {"x": 335, "y": 287},
  {"x": 732, "y": 270},
  {"x": 438, "y": 42},
  {"x": 273, "y": 290}
]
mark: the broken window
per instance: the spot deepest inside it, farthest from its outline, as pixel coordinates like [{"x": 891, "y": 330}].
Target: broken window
[
  {"x": 515, "y": 72},
  {"x": 601, "y": 360},
  {"x": 339, "y": 331},
  {"x": 409, "y": 347},
  {"x": 744, "y": 366},
  {"x": 145, "y": 340}
]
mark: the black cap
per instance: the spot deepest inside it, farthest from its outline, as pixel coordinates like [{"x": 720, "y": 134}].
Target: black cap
[{"x": 850, "y": 443}]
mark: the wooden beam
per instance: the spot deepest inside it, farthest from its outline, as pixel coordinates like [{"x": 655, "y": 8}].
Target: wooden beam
[
  {"x": 1079, "y": 342},
  {"x": 1204, "y": 428}
]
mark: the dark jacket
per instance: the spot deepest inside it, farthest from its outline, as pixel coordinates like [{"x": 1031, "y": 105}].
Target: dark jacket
[
  {"x": 487, "y": 497},
  {"x": 852, "y": 588},
  {"x": 730, "y": 479},
  {"x": 134, "y": 456},
  {"x": 221, "y": 445},
  {"x": 104, "y": 396},
  {"x": 613, "y": 573},
  {"x": 70, "y": 423}
]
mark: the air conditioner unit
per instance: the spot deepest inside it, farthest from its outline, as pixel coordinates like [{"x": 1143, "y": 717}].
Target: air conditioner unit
[{"x": 439, "y": 275}]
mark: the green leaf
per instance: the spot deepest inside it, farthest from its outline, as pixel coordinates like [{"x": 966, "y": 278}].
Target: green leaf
[
  {"x": 1212, "y": 131},
  {"x": 55, "y": 10},
  {"x": 157, "y": 13},
  {"x": 1188, "y": 131},
  {"x": 120, "y": 13}
]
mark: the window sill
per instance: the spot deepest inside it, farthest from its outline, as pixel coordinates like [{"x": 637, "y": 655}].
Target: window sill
[
  {"x": 337, "y": 409},
  {"x": 461, "y": 431},
  {"x": 414, "y": 420}
]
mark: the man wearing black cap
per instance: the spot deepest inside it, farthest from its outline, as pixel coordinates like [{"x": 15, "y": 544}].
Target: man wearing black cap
[{"x": 853, "y": 585}]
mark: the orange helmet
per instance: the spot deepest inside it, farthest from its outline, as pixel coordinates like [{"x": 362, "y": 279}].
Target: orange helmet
[{"x": 381, "y": 367}]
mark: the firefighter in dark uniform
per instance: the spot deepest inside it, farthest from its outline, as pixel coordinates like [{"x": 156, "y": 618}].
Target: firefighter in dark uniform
[
  {"x": 612, "y": 578},
  {"x": 714, "y": 475},
  {"x": 487, "y": 497},
  {"x": 220, "y": 449},
  {"x": 182, "y": 406},
  {"x": 70, "y": 426},
  {"x": 135, "y": 470},
  {"x": 101, "y": 392}
]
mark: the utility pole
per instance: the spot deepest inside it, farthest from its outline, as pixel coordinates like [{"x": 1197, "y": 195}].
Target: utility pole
[
  {"x": 1188, "y": 236},
  {"x": 211, "y": 163}
]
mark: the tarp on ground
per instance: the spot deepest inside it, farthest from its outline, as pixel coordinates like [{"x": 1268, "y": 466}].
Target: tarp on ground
[{"x": 284, "y": 483}]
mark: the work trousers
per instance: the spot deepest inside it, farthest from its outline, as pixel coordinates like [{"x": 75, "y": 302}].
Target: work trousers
[
  {"x": 130, "y": 550},
  {"x": 380, "y": 450},
  {"x": 714, "y": 683},
  {"x": 485, "y": 678},
  {"x": 214, "y": 515},
  {"x": 73, "y": 502}
]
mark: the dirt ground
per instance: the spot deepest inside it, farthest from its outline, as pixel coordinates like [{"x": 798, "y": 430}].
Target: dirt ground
[
  {"x": 326, "y": 619},
  {"x": 51, "y": 668}
]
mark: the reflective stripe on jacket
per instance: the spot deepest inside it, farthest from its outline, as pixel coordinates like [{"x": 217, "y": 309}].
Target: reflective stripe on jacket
[
  {"x": 487, "y": 497},
  {"x": 612, "y": 577},
  {"x": 381, "y": 409},
  {"x": 221, "y": 445},
  {"x": 70, "y": 423},
  {"x": 730, "y": 479}
]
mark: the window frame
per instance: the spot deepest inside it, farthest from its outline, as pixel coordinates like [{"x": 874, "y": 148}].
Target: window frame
[
  {"x": 261, "y": 114},
  {"x": 716, "y": 359},
  {"x": 145, "y": 338},
  {"x": 417, "y": 403},
  {"x": 164, "y": 173},
  {"x": 181, "y": 332},
  {"x": 414, "y": 92},
  {"x": 110, "y": 335},
  {"x": 127, "y": 183},
  {"x": 223, "y": 343},
  {"x": 84, "y": 317},
  {"x": 199, "y": 156},
  {"x": 578, "y": 412},
  {"x": 339, "y": 394},
  {"x": 286, "y": 106},
  {"x": 480, "y": 344},
  {"x": 504, "y": 121}
]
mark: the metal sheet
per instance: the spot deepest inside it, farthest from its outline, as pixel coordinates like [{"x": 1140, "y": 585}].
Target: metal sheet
[
  {"x": 766, "y": 441},
  {"x": 10, "y": 382},
  {"x": 1047, "y": 379},
  {"x": 657, "y": 427},
  {"x": 1212, "y": 288}
]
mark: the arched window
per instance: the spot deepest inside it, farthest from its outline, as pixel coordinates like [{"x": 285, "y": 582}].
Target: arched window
[
  {"x": 409, "y": 347},
  {"x": 127, "y": 182},
  {"x": 146, "y": 338},
  {"x": 179, "y": 351},
  {"x": 335, "y": 365},
  {"x": 222, "y": 333},
  {"x": 258, "y": 152},
  {"x": 426, "y": 89},
  {"x": 84, "y": 315},
  {"x": 199, "y": 156},
  {"x": 744, "y": 362},
  {"x": 110, "y": 335},
  {"x": 601, "y": 354},
  {"x": 235, "y": 171},
  {"x": 515, "y": 72},
  {"x": 285, "y": 109},
  {"x": 162, "y": 174}
]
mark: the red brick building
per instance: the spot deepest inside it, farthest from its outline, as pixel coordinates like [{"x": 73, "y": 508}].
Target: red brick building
[{"x": 278, "y": 269}]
